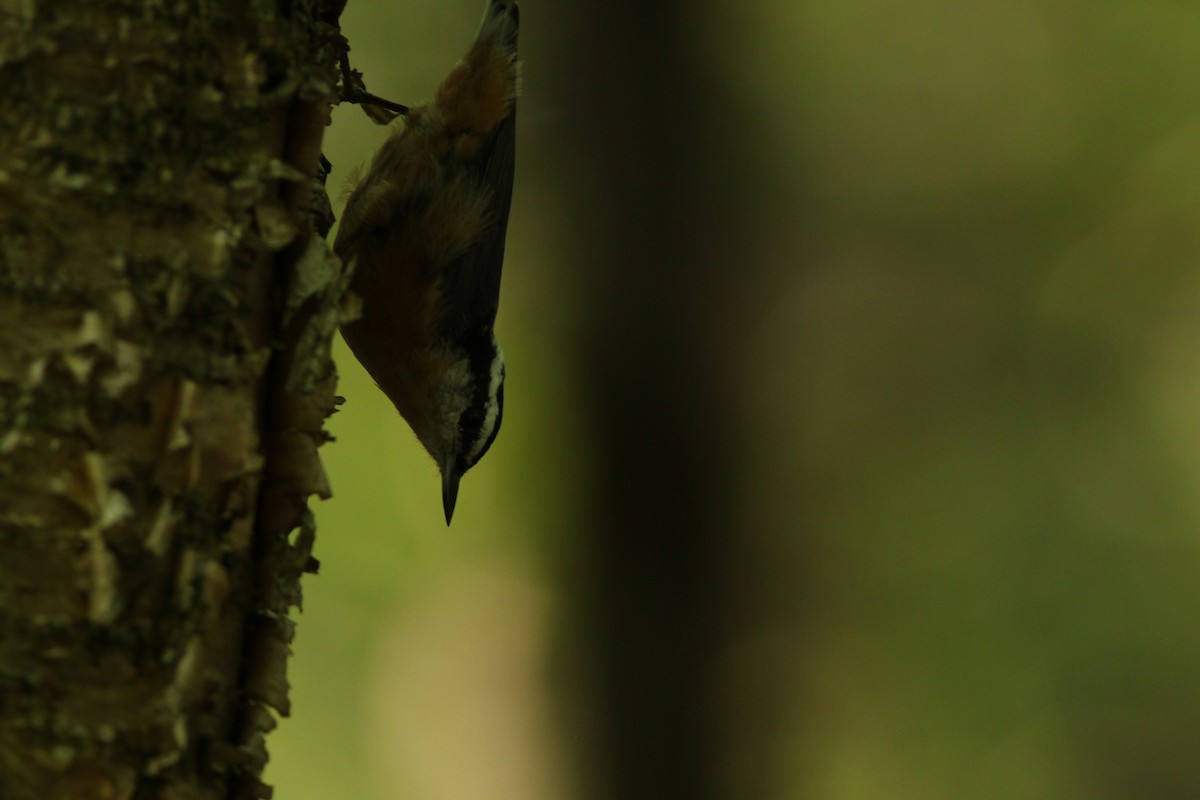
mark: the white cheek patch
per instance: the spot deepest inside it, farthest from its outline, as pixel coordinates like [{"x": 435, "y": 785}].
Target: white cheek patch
[
  {"x": 455, "y": 395},
  {"x": 492, "y": 414}
]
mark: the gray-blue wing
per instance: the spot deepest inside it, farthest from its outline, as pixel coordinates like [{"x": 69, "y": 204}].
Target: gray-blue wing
[{"x": 471, "y": 282}]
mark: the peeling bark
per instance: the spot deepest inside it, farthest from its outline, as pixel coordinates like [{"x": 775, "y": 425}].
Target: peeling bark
[{"x": 166, "y": 311}]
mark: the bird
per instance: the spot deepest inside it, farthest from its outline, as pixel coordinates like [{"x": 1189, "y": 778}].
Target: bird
[{"x": 423, "y": 232}]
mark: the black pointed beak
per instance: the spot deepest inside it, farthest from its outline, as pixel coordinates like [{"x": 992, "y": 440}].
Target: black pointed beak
[{"x": 449, "y": 489}]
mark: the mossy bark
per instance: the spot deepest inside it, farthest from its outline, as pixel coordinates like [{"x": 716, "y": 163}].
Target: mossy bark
[{"x": 166, "y": 309}]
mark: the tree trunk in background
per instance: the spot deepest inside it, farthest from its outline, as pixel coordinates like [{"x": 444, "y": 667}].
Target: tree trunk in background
[
  {"x": 658, "y": 302},
  {"x": 166, "y": 310}
]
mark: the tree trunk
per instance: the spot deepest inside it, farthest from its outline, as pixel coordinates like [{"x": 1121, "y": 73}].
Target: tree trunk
[
  {"x": 661, "y": 301},
  {"x": 166, "y": 309}
]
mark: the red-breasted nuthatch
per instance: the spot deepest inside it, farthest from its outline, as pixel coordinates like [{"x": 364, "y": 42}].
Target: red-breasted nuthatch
[{"x": 424, "y": 233}]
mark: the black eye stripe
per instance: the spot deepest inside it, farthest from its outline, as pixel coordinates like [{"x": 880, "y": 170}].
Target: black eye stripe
[
  {"x": 482, "y": 358},
  {"x": 495, "y": 430}
]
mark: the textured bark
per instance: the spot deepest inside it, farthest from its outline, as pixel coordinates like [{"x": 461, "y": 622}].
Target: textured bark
[{"x": 166, "y": 309}]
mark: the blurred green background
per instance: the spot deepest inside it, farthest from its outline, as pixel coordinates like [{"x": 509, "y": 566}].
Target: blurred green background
[{"x": 852, "y": 437}]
